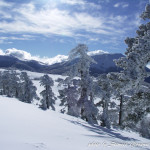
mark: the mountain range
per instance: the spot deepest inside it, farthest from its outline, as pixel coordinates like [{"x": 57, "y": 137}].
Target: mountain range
[{"x": 104, "y": 64}]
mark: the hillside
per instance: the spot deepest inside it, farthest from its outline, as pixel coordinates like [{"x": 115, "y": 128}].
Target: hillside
[{"x": 26, "y": 127}]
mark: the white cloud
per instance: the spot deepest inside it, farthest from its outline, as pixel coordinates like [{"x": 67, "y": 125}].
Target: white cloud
[
  {"x": 56, "y": 59},
  {"x": 117, "y": 5},
  {"x": 1, "y": 52},
  {"x": 137, "y": 21},
  {"x": 9, "y": 39},
  {"x": 23, "y": 37},
  {"x": 82, "y": 4},
  {"x": 23, "y": 55},
  {"x": 73, "y": 2},
  {"x": 5, "y": 15},
  {"x": 4, "y": 4},
  {"x": 52, "y": 20},
  {"x": 97, "y": 52},
  {"x": 123, "y": 5},
  {"x": 104, "y": 1},
  {"x": 94, "y": 39},
  {"x": 20, "y": 54}
]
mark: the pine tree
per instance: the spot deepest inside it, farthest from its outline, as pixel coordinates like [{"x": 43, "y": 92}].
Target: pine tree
[
  {"x": 138, "y": 107},
  {"x": 117, "y": 82},
  {"x": 144, "y": 127},
  {"x": 88, "y": 110},
  {"x": 137, "y": 55},
  {"x": 27, "y": 90},
  {"x": 14, "y": 84},
  {"x": 5, "y": 81},
  {"x": 104, "y": 84},
  {"x": 9, "y": 83},
  {"x": 69, "y": 96},
  {"x": 48, "y": 97},
  {"x": 134, "y": 68}
]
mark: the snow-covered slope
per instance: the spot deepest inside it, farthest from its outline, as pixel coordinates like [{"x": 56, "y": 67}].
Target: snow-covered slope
[{"x": 26, "y": 127}]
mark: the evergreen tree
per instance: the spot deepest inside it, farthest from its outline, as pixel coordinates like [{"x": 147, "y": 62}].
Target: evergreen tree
[
  {"x": 27, "y": 90},
  {"x": 88, "y": 110},
  {"x": 105, "y": 102},
  {"x": 48, "y": 97},
  {"x": 138, "y": 106},
  {"x": 9, "y": 83},
  {"x": 137, "y": 55},
  {"x": 117, "y": 82},
  {"x": 14, "y": 84},
  {"x": 5, "y": 83},
  {"x": 134, "y": 69},
  {"x": 144, "y": 127},
  {"x": 69, "y": 96}
]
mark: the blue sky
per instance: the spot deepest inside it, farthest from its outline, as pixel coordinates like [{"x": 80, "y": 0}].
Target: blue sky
[{"x": 52, "y": 27}]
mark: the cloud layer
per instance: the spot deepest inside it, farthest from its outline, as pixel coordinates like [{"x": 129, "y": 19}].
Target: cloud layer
[
  {"x": 55, "y": 26},
  {"x": 57, "y": 18},
  {"x": 50, "y": 20}
]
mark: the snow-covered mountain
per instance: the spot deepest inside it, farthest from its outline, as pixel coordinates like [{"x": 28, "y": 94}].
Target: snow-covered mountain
[
  {"x": 26, "y": 127},
  {"x": 58, "y": 65},
  {"x": 26, "y": 56}
]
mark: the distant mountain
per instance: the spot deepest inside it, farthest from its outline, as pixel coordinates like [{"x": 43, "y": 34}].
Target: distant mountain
[
  {"x": 13, "y": 62},
  {"x": 104, "y": 64},
  {"x": 26, "y": 56}
]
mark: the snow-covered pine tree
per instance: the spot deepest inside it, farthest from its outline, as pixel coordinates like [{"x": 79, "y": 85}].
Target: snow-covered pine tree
[
  {"x": 137, "y": 54},
  {"x": 27, "y": 90},
  {"x": 144, "y": 127},
  {"x": 137, "y": 57},
  {"x": 5, "y": 79},
  {"x": 138, "y": 107},
  {"x": 9, "y": 83},
  {"x": 69, "y": 96},
  {"x": 117, "y": 82},
  {"x": 88, "y": 110},
  {"x": 48, "y": 97},
  {"x": 14, "y": 84},
  {"x": 106, "y": 90}
]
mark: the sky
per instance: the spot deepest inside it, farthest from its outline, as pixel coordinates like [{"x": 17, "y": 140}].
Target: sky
[{"x": 46, "y": 28}]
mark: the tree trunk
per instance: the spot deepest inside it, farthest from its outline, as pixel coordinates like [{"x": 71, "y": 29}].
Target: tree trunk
[
  {"x": 47, "y": 99},
  {"x": 121, "y": 111},
  {"x": 105, "y": 116},
  {"x": 16, "y": 95},
  {"x": 91, "y": 97},
  {"x": 4, "y": 90},
  {"x": 83, "y": 97}
]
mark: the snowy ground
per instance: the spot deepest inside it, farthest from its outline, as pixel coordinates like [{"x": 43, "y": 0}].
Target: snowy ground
[{"x": 26, "y": 127}]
